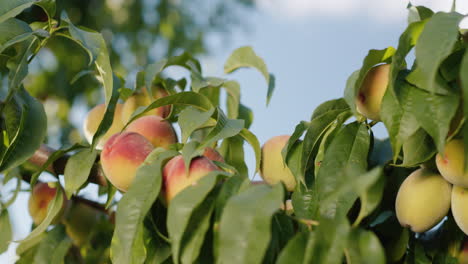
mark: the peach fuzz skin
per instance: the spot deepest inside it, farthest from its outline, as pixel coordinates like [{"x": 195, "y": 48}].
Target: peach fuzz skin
[
  {"x": 94, "y": 118},
  {"x": 142, "y": 98},
  {"x": 372, "y": 90},
  {"x": 175, "y": 178},
  {"x": 450, "y": 163},
  {"x": 155, "y": 129},
  {"x": 39, "y": 201},
  {"x": 272, "y": 167},
  {"x": 213, "y": 154},
  {"x": 122, "y": 155}
]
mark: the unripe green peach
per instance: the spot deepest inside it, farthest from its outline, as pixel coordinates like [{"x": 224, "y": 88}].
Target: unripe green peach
[
  {"x": 94, "y": 118},
  {"x": 175, "y": 178},
  {"x": 155, "y": 129},
  {"x": 460, "y": 207},
  {"x": 451, "y": 163},
  {"x": 213, "y": 154},
  {"x": 122, "y": 155},
  {"x": 41, "y": 196},
  {"x": 80, "y": 221},
  {"x": 142, "y": 98},
  {"x": 422, "y": 200},
  {"x": 273, "y": 169},
  {"x": 372, "y": 91}
]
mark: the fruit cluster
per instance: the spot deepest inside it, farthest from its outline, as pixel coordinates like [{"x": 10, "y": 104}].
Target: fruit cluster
[{"x": 426, "y": 195}]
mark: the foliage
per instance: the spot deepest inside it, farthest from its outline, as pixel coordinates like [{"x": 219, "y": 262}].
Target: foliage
[{"x": 343, "y": 207}]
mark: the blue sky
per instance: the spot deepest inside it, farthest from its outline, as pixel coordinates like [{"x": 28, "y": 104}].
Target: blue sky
[{"x": 310, "y": 46}]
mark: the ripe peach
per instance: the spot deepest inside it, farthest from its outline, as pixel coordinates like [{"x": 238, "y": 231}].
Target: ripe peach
[
  {"x": 142, "y": 98},
  {"x": 416, "y": 205},
  {"x": 94, "y": 118},
  {"x": 175, "y": 178},
  {"x": 372, "y": 91},
  {"x": 155, "y": 129},
  {"x": 42, "y": 194},
  {"x": 459, "y": 208},
  {"x": 122, "y": 155},
  {"x": 213, "y": 154},
  {"x": 451, "y": 163},
  {"x": 272, "y": 167}
]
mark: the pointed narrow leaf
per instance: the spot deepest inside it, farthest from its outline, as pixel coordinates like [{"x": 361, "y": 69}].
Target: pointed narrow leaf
[
  {"x": 53, "y": 247},
  {"x": 436, "y": 43},
  {"x": 245, "y": 228},
  {"x": 6, "y": 232},
  {"x": 77, "y": 170},
  {"x": 364, "y": 247}
]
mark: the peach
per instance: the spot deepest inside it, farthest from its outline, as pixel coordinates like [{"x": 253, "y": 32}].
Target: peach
[
  {"x": 155, "y": 129},
  {"x": 272, "y": 167},
  {"x": 94, "y": 118},
  {"x": 450, "y": 163},
  {"x": 372, "y": 90},
  {"x": 422, "y": 200},
  {"x": 122, "y": 155},
  {"x": 41, "y": 196},
  {"x": 213, "y": 154},
  {"x": 175, "y": 178},
  {"x": 459, "y": 208},
  {"x": 142, "y": 98}
]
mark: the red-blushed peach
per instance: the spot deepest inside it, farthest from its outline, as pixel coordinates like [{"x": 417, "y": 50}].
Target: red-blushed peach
[
  {"x": 213, "y": 154},
  {"x": 372, "y": 90},
  {"x": 416, "y": 206},
  {"x": 155, "y": 129},
  {"x": 142, "y": 98},
  {"x": 175, "y": 178},
  {"x": 41, "y": 196},
  {"x": 272, "y": 168},
  {"x": 94, "y": 118},
  {"x": 450, "y": 163},
  {"x": 122, "y": 155}
]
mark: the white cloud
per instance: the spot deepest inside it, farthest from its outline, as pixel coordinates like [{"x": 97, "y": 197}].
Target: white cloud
[{"x": 387, "y": 11}]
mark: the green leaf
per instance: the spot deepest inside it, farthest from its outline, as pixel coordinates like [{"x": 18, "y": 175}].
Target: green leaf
[
  {"x": 322, "y": 118},
  {"x": 245, "y": 227},
  {"x": 127, "y": 242},
  {"x": 326, "y": 244},
  {"x": 345, "y": 159},
  {"x": 13, "y": 31},
  {"x": 53, "y": 246},
  {"x": 435, "y": 44},
  {"x": 11, "y": 8},
  {"x": 233, "y": 98},
  {"x": 183, "y": 98},
  {"x": 192, "y": 118},
  {"x": 254, "y": 143},
  {"x": 96, "y": 47},
  {"x": 246, "y": 57},
  {"x": 31, "y": 129},
  {"x": 294, "y": 250},
  {"x": 108, "y": 117},
  {"x": 53, "y": 209},
  {"x": 364, "y": 248},
  {"x": 18, "y": 65},
  {"x": 52, "y": 158},
  {"x": 187, "y": 212},
  {"x": 246, "y": 114},
  {"x": 304, "y": 202},
  {"x": 433, "y": 112},
  {"x": 418, "y": 13},
  {"x": 77, "y": 170},
  {"x": 406, "y": 42},
  {"x": 48, "y": 6},
  {"x": 28, "y": 246},
  {"x": 6, "y": 232},
  {"x": 396, "y": 115},
  {"x": 464, "y": 84},
  {"x": 418, "y": 148},
  {"x": 354, "y": 82},
  {"x": 224, "y": 128},
  {"x": 232, "y": 149}
]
